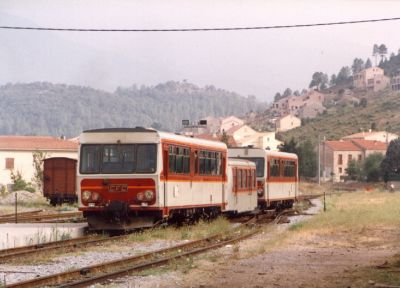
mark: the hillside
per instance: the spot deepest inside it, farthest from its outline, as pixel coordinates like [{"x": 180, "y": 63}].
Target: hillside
[
  {"x": 382, "y": 112},
  {"x": 43, "y": 108}
]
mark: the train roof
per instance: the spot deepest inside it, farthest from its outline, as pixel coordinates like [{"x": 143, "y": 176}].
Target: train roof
[
  {"x": 161, "y": 135},
  {"x": 253, "y": 152}
]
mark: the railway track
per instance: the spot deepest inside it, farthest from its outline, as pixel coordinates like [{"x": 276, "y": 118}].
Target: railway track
[
  {"x": 34, "y": 250},
  {"x": 98, "y": 273},
  {"x": 36, "y": 217},
  {"x": 20, "y": 214}
]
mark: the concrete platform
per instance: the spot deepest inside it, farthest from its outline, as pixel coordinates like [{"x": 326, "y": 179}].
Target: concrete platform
[{"x": 22, "y": 234}]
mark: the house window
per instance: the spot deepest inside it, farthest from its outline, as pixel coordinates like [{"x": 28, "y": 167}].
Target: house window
[
  {"x": 10, "y": 163},
  {"x": 349, "y": 158},
  {"x": 359, "y": 158},
  {"x": 340, "y": 170},
  {"x": 340, "y": 159}
]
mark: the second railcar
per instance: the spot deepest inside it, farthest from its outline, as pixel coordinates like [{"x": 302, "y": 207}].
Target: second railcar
[{"x": 277, "y": 175}]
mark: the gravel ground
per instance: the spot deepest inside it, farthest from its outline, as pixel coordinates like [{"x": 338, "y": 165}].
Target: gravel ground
[{"x": 12, "y": 273}]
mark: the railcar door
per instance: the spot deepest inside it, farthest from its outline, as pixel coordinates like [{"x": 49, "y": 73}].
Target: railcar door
[{"x": 165, "y": 176}]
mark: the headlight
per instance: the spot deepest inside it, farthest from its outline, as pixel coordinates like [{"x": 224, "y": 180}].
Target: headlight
[
  {"x": 86, "y": 195},
  {"x": 140, "y": 196},
  {"x": 95, "y": 196},
  {"x": 149, "y": 195},
  {"x": 260, "y": 192}
]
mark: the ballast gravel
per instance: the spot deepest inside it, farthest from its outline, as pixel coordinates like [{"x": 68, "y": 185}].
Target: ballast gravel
[{"x": 12, "y": 273}]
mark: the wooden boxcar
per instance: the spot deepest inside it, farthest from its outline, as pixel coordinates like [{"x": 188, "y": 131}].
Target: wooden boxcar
[{"x": 59, "y": 180}]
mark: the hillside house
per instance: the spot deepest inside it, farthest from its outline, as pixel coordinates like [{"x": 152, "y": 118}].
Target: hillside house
[
  {"x": 336, "y": 155},
  {"x": 16, "y": 154},
  {"x": 246, "y": 136},
  {"x": 381, "y": 136},
  {"x": 287, "y": 123},
  {"x": 304, "y": 104},
  {"x": 372, "y": 78},
  {"x": 395, "y": 83}
]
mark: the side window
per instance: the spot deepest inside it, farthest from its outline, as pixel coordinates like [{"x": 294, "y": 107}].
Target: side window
[
  {"x": 239, "y": 177},
  {"x": 210, "y": 162},
  {"x": 179, "y": 160},
  {"x": 275, "y": 167}
]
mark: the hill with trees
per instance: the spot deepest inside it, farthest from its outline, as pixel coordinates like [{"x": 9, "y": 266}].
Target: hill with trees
[{"x": 43, "y": 108}]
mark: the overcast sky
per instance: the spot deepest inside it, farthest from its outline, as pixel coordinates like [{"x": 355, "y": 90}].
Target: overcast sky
[{"x": 256, "y": 63}]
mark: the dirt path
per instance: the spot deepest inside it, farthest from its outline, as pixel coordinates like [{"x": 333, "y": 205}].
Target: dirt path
[{"x": 338, "y": 260}]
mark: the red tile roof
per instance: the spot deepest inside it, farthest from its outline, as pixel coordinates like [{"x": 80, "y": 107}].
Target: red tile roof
[
  {"x": 233, "y": 129},
  {"x": 342, "y": 146},
  {"x": 370, "y": 144},
  {"x": 231, "y": 141},
  {"x": 31, "y": 143}
]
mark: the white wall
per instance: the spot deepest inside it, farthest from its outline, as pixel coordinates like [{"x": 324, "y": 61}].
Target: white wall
[{"x": 23, "y": 162}]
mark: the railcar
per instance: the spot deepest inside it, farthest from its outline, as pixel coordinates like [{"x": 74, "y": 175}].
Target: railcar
[
  {"x": 59, "y": 180},
  {"x": 135, "y": 177},
  {"x": 277, "y": 175}
]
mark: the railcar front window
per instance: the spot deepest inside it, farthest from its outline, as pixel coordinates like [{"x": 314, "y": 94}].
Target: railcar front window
[
  {"x": 118, "y": 158},
  {"x": 146, "y": 158},
  {"x": 260, "y": 164},
  {"x": 90, "y": 159}
]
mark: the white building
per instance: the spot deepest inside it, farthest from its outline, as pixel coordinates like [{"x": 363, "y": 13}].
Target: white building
[{"x": 16, "y": 154}]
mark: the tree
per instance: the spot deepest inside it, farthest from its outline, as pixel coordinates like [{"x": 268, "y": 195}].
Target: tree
[
  {"x": 319, "y": 80},
  {"x": 358, "y": 65},
  {"x": 383, "y": 51},
  {"x": 372, "y": 167},
  {"x": 332, "y": 82},
  {"x": 287, "y": 92},
  {"x": 296, "y": 93},
  {"x": 391, "y": 162},
  {"x": 277, "y": 97},
  {"x": 343, "y": 75},
  {"x": 307, "y": 159},
  {"x": 375, "y": 52},
  {"x": 37, "y": 179},
  {"x": 368, "y": 63},
  {"x": 290, "y": 147},
  {"x": 363, "y": 102},
  {"x": 354, "y": 170},
  {"x": 225, "y": 138}
]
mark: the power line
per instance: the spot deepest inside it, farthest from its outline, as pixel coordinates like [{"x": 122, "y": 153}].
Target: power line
[{"x": 198, "y": 29}]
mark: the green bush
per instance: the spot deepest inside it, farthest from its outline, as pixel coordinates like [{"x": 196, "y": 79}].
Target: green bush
[{"x": 19, "y": 183}]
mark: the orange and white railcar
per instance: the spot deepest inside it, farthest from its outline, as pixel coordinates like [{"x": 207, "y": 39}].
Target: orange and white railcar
[
  {"x": 135, "y": 177},
  {"x": 277, "y": 175},
  {"x": 241, "y": 190}
]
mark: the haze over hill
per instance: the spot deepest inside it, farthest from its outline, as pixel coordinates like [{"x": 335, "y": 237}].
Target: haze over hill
[{"x": 43, "y": 108}]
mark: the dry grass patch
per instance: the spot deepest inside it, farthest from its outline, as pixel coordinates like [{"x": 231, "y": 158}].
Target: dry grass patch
[{"x": 359, "y": 217}]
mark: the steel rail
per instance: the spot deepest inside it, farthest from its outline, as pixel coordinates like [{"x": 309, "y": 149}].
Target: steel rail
[
  {"x": 31, "y": 250},
  {"x": 12, "y": 215},
  {"x": 27, "y": 218},
  {"x": 155, "y": 263},
  {"x": 66, "y": 276}
]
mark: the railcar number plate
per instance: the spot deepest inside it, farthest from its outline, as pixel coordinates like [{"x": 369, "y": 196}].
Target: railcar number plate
[{"x": 118, "y": 188}]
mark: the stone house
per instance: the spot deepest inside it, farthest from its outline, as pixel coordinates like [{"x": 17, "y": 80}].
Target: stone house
[
  {"x": 310, "y": 103},
  {"x": 372, "y": 78},
  {"x": 381, "y": 136},
  {"x": 246, "y": 136},
  {"x": 16, "y": 154},
  {"x": 287, "y": 123},
  {"x": 336, "y": 155}
]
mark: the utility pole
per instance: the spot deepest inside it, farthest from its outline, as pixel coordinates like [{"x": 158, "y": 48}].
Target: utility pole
[{"x": 319, "y": 160}]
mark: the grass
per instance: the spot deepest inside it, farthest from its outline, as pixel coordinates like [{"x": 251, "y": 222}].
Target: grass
[
  {"x": 356, "y": 211},
  {"x": 189, "y": 232}
]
